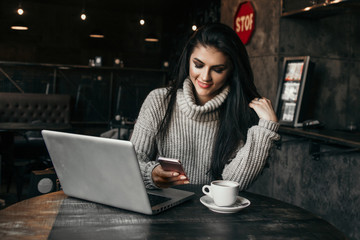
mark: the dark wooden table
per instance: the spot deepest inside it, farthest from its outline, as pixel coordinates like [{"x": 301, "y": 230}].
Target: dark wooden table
[{"x": 56, "y": 216}]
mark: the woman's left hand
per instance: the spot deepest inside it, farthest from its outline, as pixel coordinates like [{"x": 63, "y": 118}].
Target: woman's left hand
[{"x": 263, "y": 108}]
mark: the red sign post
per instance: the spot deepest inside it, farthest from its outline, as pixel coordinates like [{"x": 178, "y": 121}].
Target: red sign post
[{"x": 244, "y": 21}]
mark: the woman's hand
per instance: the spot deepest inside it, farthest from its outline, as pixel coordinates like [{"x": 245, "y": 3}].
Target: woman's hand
[
  {"x": 263, "y": 108},
  {"x": 165, "y": 179}
]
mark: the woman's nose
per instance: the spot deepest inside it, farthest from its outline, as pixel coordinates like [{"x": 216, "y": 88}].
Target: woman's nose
[{"x": 205, "y": 74}]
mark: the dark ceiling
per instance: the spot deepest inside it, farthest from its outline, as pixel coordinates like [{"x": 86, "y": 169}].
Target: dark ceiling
[
  {"x": 55, "y": 26},
  {"x": 102, "y": 13},
  {"x": 153, "y": 7}
]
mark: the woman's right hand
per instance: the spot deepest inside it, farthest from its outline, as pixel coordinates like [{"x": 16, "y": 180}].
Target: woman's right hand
[
  {"x": 263, "y": 108},
  {"x": 165, "y": 179}
]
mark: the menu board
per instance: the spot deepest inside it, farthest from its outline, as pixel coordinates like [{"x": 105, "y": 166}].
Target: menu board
[
  {"x": 290, "y": 91},
  {"x": 288, "y": 111},
  {"x": 294, "y": 71},
  {"x": 291, "y": 88},
  {"x": 292, "y": 81}
]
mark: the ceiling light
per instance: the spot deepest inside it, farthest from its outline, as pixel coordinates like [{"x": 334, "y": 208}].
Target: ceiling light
[
  {"x": 96, "y": 35},
  {"x": 83, "y": 14},
  {"x": 20, "y": 11},
  {"x": 20, "y": 26},
  {"x": 142, "y": 22},
  {"x": 151, "y": 39}
]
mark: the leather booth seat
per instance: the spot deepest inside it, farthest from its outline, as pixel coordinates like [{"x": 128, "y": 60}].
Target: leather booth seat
[{"x": 32, "y": 108}]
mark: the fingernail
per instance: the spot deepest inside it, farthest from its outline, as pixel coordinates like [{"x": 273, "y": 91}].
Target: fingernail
[
  {"x": 175, "y": 174},
  {"x": 183, "y": 177},
  {"x": 186, "y": 182}
]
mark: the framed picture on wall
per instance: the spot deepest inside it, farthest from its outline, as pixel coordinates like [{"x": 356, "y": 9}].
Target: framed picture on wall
[{"x": 292, "y": 90}]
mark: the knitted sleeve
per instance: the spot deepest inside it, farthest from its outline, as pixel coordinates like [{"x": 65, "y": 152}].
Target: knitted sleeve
[
  {"x": 145, "y": 129},
  {"x": 251, "y": 158}
]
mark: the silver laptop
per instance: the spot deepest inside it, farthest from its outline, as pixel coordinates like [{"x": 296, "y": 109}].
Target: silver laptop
[{"x": 106, "y": 171}]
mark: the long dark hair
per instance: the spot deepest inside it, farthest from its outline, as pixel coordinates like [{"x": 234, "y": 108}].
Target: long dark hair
[{"x": 236, "y": 117}]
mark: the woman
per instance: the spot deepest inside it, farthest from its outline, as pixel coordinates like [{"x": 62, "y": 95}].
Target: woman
[{"x": 211, "y": 118}]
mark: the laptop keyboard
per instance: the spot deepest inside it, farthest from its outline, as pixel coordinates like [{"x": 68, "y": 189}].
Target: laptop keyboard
[{"x": 155, "y": 199}]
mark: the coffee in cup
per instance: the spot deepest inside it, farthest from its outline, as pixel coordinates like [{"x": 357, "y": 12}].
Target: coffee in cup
[{"x": 223, "y": 192}]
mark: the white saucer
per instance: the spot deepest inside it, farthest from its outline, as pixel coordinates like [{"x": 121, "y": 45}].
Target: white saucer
[{"x": 240, "y": 203}]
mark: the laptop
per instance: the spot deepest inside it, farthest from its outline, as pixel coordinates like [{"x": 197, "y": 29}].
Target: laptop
[{"x": 106, "y": 171}]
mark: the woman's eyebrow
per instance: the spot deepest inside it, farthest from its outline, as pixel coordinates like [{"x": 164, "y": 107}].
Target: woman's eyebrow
[
  {"x": 219, "y": 65},
  {"x": 196, "y": 59}
]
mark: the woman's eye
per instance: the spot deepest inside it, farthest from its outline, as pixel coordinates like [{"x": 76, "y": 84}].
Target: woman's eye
[
  {"x": 198, "y": 65},
  {"x": 219, "y": 70}
]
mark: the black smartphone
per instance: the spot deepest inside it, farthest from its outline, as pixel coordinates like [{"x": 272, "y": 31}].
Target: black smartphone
[{"x": 171, "y": 164}]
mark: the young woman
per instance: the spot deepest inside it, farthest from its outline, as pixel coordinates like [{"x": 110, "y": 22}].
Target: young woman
[{"x": 211, "y": 118}]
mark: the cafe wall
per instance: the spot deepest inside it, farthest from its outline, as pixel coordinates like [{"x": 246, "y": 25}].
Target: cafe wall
[
  {"x": 327, "y": 187},
  {"x": 330, "y": 41}
]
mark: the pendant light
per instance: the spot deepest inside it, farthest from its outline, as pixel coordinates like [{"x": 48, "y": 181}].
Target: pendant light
[
  {"x": 19, "y": 25},
  {"x": 142, "y": 20},
  {"x": 83, "y": 13},
  {"x": 20, "y": 10}
]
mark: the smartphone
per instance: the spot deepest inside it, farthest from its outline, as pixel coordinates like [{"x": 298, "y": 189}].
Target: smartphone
[{"x": 171, "y": 164}]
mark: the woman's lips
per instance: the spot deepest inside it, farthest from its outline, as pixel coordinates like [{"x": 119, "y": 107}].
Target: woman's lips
[{"x": 204, "y": 85}]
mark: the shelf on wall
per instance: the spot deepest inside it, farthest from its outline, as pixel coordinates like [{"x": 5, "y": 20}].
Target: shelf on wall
[
  {"x": 323, "y": 9},
  {"x": 326, "y": 136},
  {"x": 344, "y": 141}
]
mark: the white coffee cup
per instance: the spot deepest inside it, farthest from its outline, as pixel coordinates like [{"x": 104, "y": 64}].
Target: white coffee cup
[{"x": 223, "y": 192}]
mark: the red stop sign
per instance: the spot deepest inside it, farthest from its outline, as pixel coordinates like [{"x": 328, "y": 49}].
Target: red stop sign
[{"x": 244, "y": 21}]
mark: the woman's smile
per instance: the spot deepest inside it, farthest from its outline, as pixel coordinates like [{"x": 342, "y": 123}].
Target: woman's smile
[{"x": 203, "y": 84}]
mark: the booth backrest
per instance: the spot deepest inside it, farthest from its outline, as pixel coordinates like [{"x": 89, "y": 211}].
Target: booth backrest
[{"x": 33, "y": 107}]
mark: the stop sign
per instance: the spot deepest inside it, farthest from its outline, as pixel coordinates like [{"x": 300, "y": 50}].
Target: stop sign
[{"x": 244, "y": 21}]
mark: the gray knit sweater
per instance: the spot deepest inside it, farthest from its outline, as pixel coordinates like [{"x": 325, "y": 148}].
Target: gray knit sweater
[{"x": 191, "y": 137}]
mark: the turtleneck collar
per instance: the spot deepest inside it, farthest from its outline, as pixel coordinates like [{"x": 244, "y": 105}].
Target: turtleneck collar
[{"x": 186, "y": 102}]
